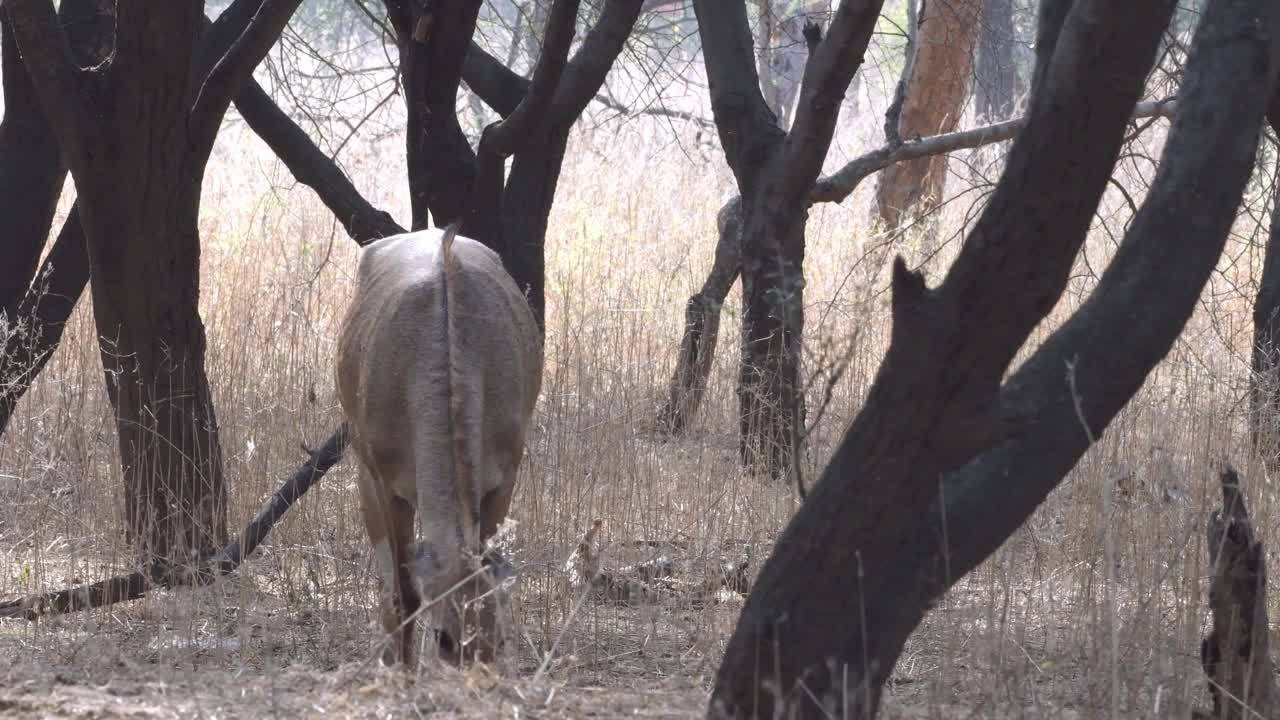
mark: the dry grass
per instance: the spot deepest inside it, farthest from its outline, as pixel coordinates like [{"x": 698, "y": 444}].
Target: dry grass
[{"x": 1095, "y": 608}]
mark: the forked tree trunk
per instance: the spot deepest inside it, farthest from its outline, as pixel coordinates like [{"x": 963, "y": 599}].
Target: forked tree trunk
[
  {"x": 951, "y": 453},
  {"x": 775, "y": 172},
  {"x": 65, "y": 272},
  {"x": 137, "y": 132},
  {"x": 512, "y": 215},
  {"x": 997, "y": 76},
  {"x": 946, "y": 37},
  {"x": 432, "y": 47}
]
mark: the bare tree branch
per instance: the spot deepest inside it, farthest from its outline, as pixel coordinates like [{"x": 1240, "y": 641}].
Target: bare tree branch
[
  {"x": 497, "y": 85},
  {"x": 503, "y": 138},
  {"x": 826, "y": 77},
  {"x": 236, "y": 65},
  {"x": 839, "y": 185},
  {"x": 312, "y": 167},
  {"x": 586, "y": 71},
  {"x": 749, "y": 131},
  {"x": 137, "y": 584}
]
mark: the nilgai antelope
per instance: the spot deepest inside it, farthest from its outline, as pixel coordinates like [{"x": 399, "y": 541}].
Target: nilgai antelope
[{"x": 439, "y": 365}]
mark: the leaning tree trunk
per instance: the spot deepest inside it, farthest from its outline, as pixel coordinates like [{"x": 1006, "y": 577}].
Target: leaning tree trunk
[
  {"x": 702, "y": 325},
  {"x": 997, "y": 76},
  {"x": 935, "y": 97}
]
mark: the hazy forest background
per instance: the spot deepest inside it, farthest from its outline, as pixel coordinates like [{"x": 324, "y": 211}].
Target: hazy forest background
[{"x": 1095, "y": 606}]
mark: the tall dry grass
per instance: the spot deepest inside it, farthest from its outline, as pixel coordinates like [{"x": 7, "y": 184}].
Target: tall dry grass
[{"x": 1094, "y": 608}]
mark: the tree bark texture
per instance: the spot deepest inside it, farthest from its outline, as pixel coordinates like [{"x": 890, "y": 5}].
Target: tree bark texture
[
  {"x": 936, "y": 91},
  {"x": 997, "y": 75},
  {"x": 948, "y": 457},
  {"x": 136, "y": 133}
]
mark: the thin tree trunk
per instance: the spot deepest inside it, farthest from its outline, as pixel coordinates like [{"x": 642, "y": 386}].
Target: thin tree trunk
[
  {"x": 997, "y": 75},
  {"x": 1264, "y": 381},
  {"x": 935, "y": 98},
  {"x": 45, "y": 309},
  {"x": 702, "y": 325}
]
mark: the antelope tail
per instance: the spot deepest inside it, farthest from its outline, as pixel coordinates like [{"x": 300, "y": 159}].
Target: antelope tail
[{"x": 462, "y": 427}]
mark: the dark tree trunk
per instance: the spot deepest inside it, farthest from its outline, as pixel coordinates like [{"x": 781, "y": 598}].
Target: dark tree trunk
[
  {"x": 31, "y": 167},
  {"x": 1264, "y": 381},
  {"x": 769, "y": 387},
  {"x": 880, "y": 538},
  {"x": 432, "y": 48},
  {"x": 702, "y": 325},
  {"x": 65, "y": 272},
  {"x": 526, "y": 206},
  {"x": 997, "y": 76},
  {"x": 146, "y": 284},
  {"x": 31, "y": 175},
  {"x": 136, "y": 132}
]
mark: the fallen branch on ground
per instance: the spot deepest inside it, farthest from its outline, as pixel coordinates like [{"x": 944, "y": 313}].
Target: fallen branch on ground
[
  {"x": 652, "y": 580},
  {"x": 137, "y": 584}
]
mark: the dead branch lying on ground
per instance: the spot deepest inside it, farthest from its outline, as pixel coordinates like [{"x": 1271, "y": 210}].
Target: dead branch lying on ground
[
  {"x": 653, "y": 580},
  {"x": 1235, "y": 654},
  {"x": 137, "y": 584}
]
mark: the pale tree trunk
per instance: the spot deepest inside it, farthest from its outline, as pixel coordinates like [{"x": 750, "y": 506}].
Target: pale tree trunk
[{"x": 936, "y": 91}]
